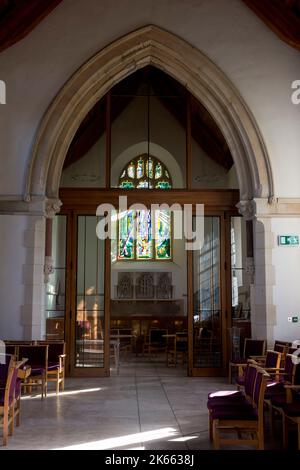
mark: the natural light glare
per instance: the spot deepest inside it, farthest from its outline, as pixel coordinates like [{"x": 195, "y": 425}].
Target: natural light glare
[
  {"x": 64, "y": 394},
  {"x": 223, "y": 393},
  {"x": 183, "y": 439},
  {"x": 116, "y": 442}
]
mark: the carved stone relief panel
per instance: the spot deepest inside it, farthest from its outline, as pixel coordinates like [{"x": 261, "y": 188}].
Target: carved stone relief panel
[{"x": 125, "y": 287}]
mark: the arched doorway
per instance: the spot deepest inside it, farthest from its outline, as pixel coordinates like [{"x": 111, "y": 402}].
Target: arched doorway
[{"x": 221, "y": 107}]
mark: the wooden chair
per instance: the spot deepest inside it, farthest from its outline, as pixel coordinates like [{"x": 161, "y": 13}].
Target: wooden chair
[
  {"x": 56, "y": 363},
  {"x": 283, "y": 395},
  {"x": 37, "y": 356},
  {"x": 7, "y": 398},
  {"x": 178, "y": 349},
  {"x": 252, "y": 347},
  {"x": 235, "y": 397},
  {"x": 157, "y": 341},
  {"x": 292, "y": 415},
  {"x": 242, "y": 419},
  {"x": 23, "y": 372}
]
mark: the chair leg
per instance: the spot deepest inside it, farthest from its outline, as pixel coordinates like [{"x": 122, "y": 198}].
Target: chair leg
[
  {"x": 298, "y": 434},
  {"x": 210, "y": 427},
  {"x": 271, "y": 419},
  {"x": 12, "y": 419},
  {"x": 260, "y": 439},
  {"x": 230, "y": 374},
  {"x": 42, "y": 388},
  {"x": 57, "y": 383},
  {"x": 216, "y": 435},
  {"x": 18, "y": 420},
  {"x": 5, "y": 427},
  {"x": 283, "y": 423}
]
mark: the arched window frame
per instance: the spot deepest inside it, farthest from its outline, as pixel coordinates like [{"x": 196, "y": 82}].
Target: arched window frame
[
  {"x": 145, "y": 172},
  {"x": 155, "y": 175}
]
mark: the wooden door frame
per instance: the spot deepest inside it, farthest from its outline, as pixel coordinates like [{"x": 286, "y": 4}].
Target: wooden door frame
[
  {"x": 84, "y": 201},
  {"x": 71, "y": 290},
  {"x": 225, "y": 296}
]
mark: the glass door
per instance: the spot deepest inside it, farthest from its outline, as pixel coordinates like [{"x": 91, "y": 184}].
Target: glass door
[
  {"x": 206, "y": 305},
  {"x": 89, "y": 327}
]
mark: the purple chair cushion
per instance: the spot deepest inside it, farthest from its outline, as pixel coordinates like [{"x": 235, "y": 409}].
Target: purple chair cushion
[
  {"x": 234, "y": 413},
  {"x": 274, "y": 388},
  {"x": 223, "y": 402}
]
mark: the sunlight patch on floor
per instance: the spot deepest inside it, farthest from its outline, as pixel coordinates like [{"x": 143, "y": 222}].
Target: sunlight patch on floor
[
  {"x": 116, "y": 442},
  {"x": 63, "y": 394}
]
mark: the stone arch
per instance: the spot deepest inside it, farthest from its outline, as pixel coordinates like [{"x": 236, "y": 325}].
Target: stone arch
[{"x": 149, "y": 45}]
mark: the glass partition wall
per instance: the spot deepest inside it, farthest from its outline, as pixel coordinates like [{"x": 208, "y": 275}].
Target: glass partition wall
[
  {"x": 90, "y": 331},
  {"x": 241, "y": 249},
  {"x": 207, "y": 333},
  {"x": 150, "y": 140}
]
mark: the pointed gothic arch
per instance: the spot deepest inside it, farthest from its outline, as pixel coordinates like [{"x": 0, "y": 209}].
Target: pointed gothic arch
[{"x": 190, "y": 67}]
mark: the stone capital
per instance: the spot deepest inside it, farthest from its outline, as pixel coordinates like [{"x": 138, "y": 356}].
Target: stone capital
[
  {"x": 52, "y": 207},
  {"x": 246, "y": 209}
]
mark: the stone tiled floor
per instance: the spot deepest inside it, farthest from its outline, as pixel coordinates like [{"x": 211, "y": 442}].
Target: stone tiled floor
[{"x": 146, "y": 406}]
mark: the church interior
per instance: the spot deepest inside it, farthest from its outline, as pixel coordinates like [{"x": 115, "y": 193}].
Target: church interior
[{"x": 150, "y": 225}]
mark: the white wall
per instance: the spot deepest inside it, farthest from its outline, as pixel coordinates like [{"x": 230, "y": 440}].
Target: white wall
[
  {"x": 260, "y": 65},
  {"x": 12, "y": 289},
  {"x": 88, "y": 171},
  {"x": 286, "y": 289}
]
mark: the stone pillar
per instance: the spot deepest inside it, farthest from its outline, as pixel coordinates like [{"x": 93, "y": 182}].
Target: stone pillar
[
  {"x": 263, "y": 307},
  {"x": 33, "y": 279},
  {"x": 263, "y": 310},
  {"x": 36, "y": 268}
]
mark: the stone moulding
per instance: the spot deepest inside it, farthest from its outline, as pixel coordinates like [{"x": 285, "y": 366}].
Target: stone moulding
[{"x": 185, "y": 63}]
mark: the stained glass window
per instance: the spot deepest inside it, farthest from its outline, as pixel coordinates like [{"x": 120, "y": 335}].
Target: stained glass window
[
  {"x": 144, "y": 244},
  {"x": 126, "y": 235},
  {"x": 153, "y": 240},
  {"x": 145, "y": 172},
  {"x": 162, "y": 235}
]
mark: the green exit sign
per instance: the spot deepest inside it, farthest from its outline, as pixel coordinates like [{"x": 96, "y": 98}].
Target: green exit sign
[{"x": 288, "y": 240}]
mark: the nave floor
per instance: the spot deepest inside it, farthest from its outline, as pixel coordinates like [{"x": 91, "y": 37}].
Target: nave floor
[{"x": 146, "y": 406}]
